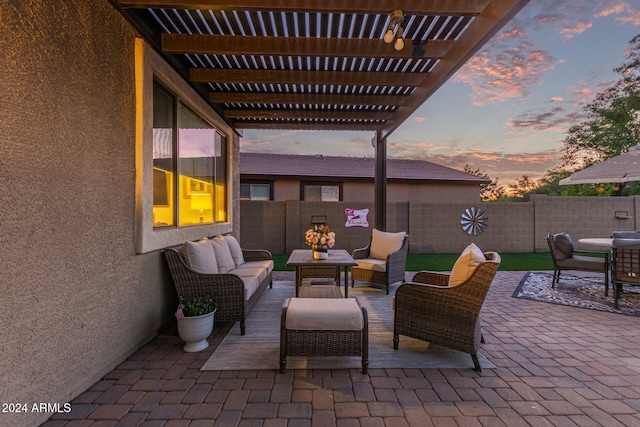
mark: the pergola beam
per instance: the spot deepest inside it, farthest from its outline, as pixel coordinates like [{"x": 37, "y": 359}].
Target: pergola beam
[
  {"x": 279, "y": 98},
  {"x": 413, "y": 7},
  {"x": 306, "y": 126},
  {"x": 296, "y": 46},
  {"x": 337, "y": 78},
  {"x": 303, "y": 114}
]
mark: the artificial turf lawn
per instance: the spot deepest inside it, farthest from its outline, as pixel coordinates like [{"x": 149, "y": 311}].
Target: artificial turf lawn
[{"x": 444, "y": 262}]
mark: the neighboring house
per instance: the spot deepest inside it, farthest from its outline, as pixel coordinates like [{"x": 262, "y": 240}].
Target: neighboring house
[{"x": 282, "y": 177}]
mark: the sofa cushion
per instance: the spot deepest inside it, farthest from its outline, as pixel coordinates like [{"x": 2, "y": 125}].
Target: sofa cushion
[
  {"x": 372, "y": 264},
  {"x": 563, "y": 246},
  {"x": 582, "y": 262},
  {"x": 326, "y": 314},
  {"x": 259, "y": 272},
  {"x": 200, "y": 256},
  {"x": 223, "y": 254},
  {"x": 235, "y": 249},
  {"x": 251, "y": 284},
  {"x": 384, "y": 243},
  {"x": 266, "y": 264},
  {"x": 466, "y": 264}
]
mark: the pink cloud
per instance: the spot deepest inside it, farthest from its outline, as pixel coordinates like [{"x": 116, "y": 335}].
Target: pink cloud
[
  {"x": 506, "y": 167},
  {"x": 615, "y": 9},
  {"x": 557, "y": 118},
  {"x": 579, "y": 27},
  {"x": 504, "y": 72},
  {"x": 510, "y": 65},
  {"x": 631, "y": 15}
]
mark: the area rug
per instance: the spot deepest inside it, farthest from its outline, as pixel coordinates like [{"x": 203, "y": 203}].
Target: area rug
[
  {"x": 259, "y": 349},
  {"x": 584, "y": 292}
]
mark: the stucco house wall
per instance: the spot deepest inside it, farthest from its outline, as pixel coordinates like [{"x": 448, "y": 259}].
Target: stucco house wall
[
  {"x": 76, "y": 298},
  {"x": 286, "y": 189}
]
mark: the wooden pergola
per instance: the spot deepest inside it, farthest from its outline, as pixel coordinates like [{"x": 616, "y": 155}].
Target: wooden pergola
[{"x": 320, "y": 64}]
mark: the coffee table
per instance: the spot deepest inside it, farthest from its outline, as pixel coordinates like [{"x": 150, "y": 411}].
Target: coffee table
[{"x": 306, "y": 266}]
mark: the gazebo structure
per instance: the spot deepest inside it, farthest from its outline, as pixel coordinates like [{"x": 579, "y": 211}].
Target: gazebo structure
[
  {"x": 320, "y": 64},
  {"x": 84, "y": 280}
]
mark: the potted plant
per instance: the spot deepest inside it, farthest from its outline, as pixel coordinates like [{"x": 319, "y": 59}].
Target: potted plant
[{"x": 195, "y": 322}]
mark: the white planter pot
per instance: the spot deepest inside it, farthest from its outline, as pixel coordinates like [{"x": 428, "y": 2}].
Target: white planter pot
[{"x": 195, "y": 330}]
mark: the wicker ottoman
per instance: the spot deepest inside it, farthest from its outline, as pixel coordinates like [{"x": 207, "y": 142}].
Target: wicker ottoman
[{"x": 324, "y": 327}]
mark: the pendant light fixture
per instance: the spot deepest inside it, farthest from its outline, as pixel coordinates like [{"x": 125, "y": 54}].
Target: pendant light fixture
[{"x": 395, "y": 30}]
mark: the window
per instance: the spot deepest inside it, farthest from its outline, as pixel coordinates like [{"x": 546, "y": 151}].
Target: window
[
  {"x": 255, "y": 192},
  {"x": 193, "y": 189},
  {"x": 183, "y": 158},
  {"x": 321, "y": 192}
]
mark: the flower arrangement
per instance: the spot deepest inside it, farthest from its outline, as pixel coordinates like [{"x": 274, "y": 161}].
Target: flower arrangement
[{"x": 320, "y": 237}]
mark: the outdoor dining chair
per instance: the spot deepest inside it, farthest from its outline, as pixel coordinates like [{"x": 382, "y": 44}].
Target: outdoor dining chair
[
  {"x": 625, "y": 265},
  {"x": 566, "y": 258},
  {"x": 625, "y": 234}
]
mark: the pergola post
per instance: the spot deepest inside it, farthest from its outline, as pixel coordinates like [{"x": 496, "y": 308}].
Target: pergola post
[{"x": 380, "y": 182}]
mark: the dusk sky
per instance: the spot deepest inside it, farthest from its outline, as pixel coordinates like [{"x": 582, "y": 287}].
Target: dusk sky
[{"x": 508, "y": 109}]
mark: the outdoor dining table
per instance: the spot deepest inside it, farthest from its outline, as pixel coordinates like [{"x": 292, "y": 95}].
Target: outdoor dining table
[
  {"x": 306, "y": 266},
  {"x": 597, "y": 241}
]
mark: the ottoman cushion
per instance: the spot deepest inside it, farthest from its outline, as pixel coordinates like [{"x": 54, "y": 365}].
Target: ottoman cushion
[{"x": 324, "y": 314}]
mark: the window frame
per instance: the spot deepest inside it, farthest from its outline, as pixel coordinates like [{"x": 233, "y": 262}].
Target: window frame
[
  {"x": 251, "y": 182},
  {"x": 339, "y": 184},
  {"x": 149, "y": 65}
]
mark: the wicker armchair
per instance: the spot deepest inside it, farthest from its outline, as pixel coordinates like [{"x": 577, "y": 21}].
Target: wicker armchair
[
  {"x": 382, "y": 272},
  {"x": 226, "y": 289},
  {"x": 429, "y": 310},
  {"x": 625, "y": 265}
]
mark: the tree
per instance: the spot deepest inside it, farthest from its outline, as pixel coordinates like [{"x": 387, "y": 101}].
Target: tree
[
  {"x": 521, "y": 190},
  {"x": 549, "y": 184},
  {"x": 612, "y": 125},
  {"x": 488, "y": 192}
]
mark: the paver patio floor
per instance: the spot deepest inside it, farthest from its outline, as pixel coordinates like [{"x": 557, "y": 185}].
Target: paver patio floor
[{"x": 555, "y": 366}]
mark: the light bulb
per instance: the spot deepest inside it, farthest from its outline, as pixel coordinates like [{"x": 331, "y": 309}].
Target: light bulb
[
  {"x": 388, "y": 37},
  {"x": 399, "y": 45}
]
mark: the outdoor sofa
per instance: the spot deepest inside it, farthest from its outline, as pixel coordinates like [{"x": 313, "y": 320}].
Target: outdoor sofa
[{"x": 234, "y": 277}]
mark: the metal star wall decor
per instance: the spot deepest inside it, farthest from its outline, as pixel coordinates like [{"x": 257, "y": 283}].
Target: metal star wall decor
[{"x": 474, "y": 221}]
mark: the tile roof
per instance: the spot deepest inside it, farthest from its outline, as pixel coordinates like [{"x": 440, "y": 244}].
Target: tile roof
[{"x": 292, "y": 165}]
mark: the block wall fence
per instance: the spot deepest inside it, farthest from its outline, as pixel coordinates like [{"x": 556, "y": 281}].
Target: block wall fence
[{"x": 435, "y": 227}]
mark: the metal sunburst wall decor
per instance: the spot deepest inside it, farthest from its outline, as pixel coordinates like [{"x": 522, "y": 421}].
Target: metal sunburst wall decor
[{"x": 474, "y": 221}]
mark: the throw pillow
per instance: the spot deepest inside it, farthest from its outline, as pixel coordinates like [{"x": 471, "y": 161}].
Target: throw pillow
[
  {"x": 200, "y": 256},
  {"x": 563, "y": 246},
  {"x": 223, "y": 254},
  {"x": 236, "y": 250},
  {"x": 384, "y": 243},
  {"x": 466, "y": 264}
]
